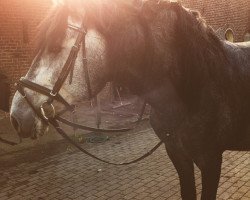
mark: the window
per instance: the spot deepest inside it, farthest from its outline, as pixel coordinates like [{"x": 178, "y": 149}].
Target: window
[
  {"x": 229, "y": 35},
  {"x": 247, "y": 37}
]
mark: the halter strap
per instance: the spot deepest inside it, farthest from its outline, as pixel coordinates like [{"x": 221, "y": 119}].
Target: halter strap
[
  {"x": 86, "y": 70},
  {"x": 70, "y": 62},
  {"x": 24, "y": 83}
]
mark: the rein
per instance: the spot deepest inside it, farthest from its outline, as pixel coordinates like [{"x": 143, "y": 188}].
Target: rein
[
  {"x": 47, "y": 111},
  {"x": 8, "y": 142},
  {"x": 66, "y": 137}
]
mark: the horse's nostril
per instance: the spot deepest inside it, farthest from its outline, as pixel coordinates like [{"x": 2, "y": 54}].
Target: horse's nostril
[
  {"x": 23, "y": 126},
  {"x": 15, "y": 123}
]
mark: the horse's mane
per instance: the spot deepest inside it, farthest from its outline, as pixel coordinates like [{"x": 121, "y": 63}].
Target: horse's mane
[
  {"x": 202, "y": 61},
  {"x": 52, "y": 29},
  {"x": 200, "y": 55}
]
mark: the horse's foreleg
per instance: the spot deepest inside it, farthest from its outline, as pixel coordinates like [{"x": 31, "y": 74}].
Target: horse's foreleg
[
  {"x": 185, "y": 169},
  {"x": 210, "y": 173}
]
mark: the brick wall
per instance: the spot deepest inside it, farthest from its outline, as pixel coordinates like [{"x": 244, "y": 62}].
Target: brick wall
[
  {"x": 224, "y": 14},
  {"x": 19, "y": 19},
  {"x": 18, "y": 22}
]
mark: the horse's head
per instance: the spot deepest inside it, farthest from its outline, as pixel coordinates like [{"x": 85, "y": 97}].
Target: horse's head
[
  {"x": 121, "y": 42},
  {"x": 59, "y": 33}
]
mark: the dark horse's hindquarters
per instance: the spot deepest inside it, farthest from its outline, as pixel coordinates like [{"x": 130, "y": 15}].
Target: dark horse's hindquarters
[{"x": 4, "y": 94}]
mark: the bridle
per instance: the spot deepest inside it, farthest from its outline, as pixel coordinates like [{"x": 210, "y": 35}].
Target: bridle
[
  {"x": 47, "y": 111},
  {"x": 53, "y": 94}
]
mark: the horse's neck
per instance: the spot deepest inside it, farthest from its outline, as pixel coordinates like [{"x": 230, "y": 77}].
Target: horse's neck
[{"x": 163, "y": 98}]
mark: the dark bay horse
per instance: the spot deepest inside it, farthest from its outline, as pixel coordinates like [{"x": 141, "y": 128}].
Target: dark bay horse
[{"x": 198, "y": 86}]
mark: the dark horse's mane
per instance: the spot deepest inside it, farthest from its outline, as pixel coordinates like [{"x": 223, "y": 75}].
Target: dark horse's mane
[
  {"x": 202, "y": 62},
  {"x": 201, "y": 57}
]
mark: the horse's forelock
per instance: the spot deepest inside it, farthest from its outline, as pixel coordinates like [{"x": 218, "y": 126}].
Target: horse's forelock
[{"x": 52, "y": 29}]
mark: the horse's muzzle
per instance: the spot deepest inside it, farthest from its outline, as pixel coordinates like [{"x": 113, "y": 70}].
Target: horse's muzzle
[{"x": 24, "y": 125}]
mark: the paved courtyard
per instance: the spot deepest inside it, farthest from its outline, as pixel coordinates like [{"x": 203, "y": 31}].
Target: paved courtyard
[{"x": 66, "y": 173}]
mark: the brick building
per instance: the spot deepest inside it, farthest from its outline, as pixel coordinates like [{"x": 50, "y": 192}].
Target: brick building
[
  {"x": 18, "y": 22},
  {"x": 19, "y": 19},
  {"x": 225, "y": 15}
]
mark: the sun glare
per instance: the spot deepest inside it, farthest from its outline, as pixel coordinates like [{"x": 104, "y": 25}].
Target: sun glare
[{"x": 58, "y": 2}]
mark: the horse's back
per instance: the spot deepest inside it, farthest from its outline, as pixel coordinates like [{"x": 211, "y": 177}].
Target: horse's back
[
  {"x": 238, "y": 53},
  {"x": 241, "y": 45},
  {"x": 245, "y": 47}
]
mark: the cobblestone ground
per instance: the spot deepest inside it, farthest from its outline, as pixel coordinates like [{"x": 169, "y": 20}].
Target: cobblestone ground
[{"x": 73, "y": 175}]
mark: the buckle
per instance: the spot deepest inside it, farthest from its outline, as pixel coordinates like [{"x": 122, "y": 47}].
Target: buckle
[
  {"x": 76, "y": 47},
  {"x": 23, "y": 95},
  {"x": 83, "y": 30},
  {"x": 48, "y": 110},
  {"x": 52, "y": 94}
]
